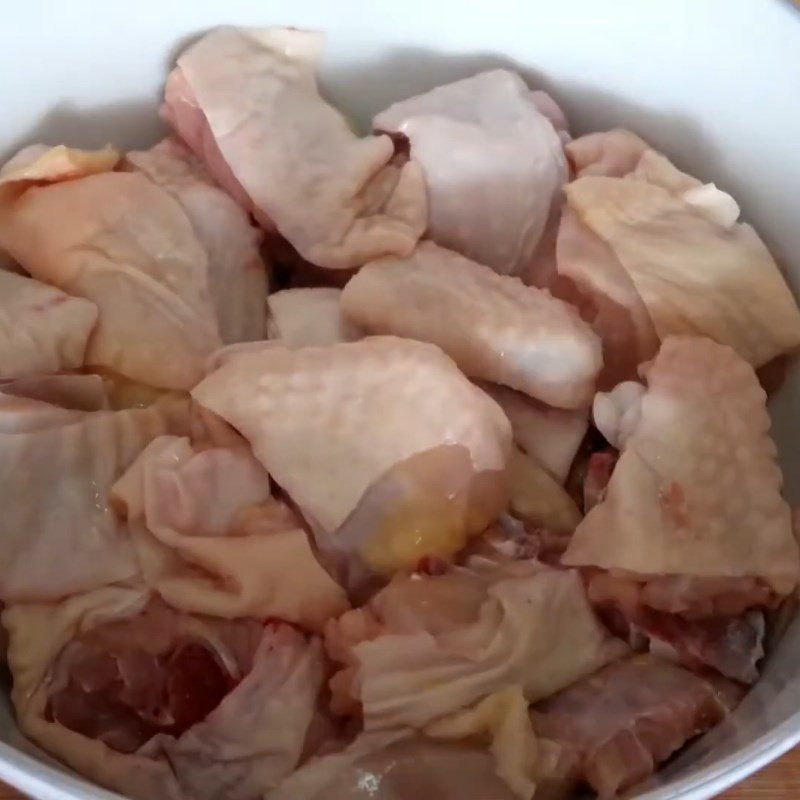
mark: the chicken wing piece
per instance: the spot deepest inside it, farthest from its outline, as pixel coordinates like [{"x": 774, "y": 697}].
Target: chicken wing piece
[
  {"x": 696, "y": 491},
  {"x": 159, "y": 704},
  {"x": 492, "y": 326},
  {"x": 246, "y": 102},
  {"x": 329, "y": 422},
  {"x": 493, "y": 164},
  {"x": 237, "y": 277},
  {"x": 300, "y": 317}
]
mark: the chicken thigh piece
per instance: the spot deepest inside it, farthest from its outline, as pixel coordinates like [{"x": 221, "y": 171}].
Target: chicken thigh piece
[
  {"x": 246, "y": 102},
  {"x": 493, "y": 163},
  {"x": 492, "y": 326},
  {"x": 237, "y": 277},
  {"x": 156, "y": 703},
  {"x": 329, "y": 423},
  {"x": 126, "y": 245}
]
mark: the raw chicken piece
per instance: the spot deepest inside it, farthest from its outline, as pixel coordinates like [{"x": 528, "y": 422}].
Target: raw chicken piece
[
  {"x": 733, "y": 646},
  {"x": 41, "y": 162},
  {"x": 57, "y": 534},
  {"x": 553, "y": 111},
  {"x": 619, "y": 153},
  {"x": 611, "y": 153},
  {"x": 211, "y": 539},
  {"x": 542, "y": 269},
  {"x": 598, "y": 284},
  {"x": 631, "y": 716},
  {"x": 491, "y": 325},
  {"x": 599, "y": 469},
  {"x": 695, "y": 271},
  {"x": 523, "y": 762},
  {"x": 23, "y": 415},
  {"x": 538, "y": 499},
  {"x": 425, "y": 647},
  {"x": 158, "y": 704},
  {"x": 493, "y": 164},
  {"x": 700, "y": 598},
  {"x": 424, "y": 507},
  {"x": 41, "y": 328},
  {"x": 616, "y": 413},
  {"x": 551, "y": 436},
  {"x": 696, "y": 491},
  {"x": 396, "y": 765},
  {"x": 300, "y": 317},
  {"x": 65, "y": 390},
  {"x": 122, "y": 242},
  {"x": 511, "y": 539},
  {"x": 698, "y": 622},
  {"x": 329, "y": 422},
  {"x": 237, "y": 277},
  {"x": 246, "y": 102}
]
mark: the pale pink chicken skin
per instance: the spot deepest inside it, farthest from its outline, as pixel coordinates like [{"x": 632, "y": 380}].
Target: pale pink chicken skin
[
  {"x": 237, "y": 276},
  {"x": 397, "y": 766},
  {"x": 211, "y": 539},
  {"x": 696, "y": 491},
  {"x": 41, "y": 328},
  {"x": 127, "y": 246},
  {"x": 66, "y": 390},
  {"x": 425, "y": 647},
  {"x": 606, "y": 297},
  {"x": 653, "y": 252},
  {"x": 60, "y": 535},
  {"x": 246, "y": 102},
  {"x": 466, "y": 136},
  {"x": 309, "y": 317},
  {"x": 369, "y": 405},
  {"x": 549, "y": 435},
  {"x": 690, "y": 525},
  {"x": 492, "y": 326}
]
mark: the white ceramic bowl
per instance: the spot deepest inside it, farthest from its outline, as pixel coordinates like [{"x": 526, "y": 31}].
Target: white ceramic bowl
[{"x": 713, "y": 83}]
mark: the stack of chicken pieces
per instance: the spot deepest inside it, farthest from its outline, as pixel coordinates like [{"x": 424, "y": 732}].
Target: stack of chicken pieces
[{"x": 480, "y": 503}]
